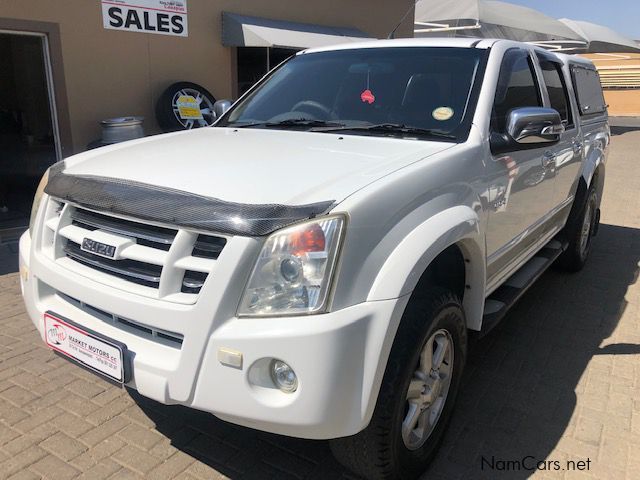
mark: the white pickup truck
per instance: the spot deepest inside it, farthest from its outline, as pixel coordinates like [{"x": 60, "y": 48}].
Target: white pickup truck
[{"x": 314, "y": 264}]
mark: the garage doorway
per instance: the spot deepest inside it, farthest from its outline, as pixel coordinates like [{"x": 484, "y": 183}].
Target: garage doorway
[{"x": 29, "y": 138}]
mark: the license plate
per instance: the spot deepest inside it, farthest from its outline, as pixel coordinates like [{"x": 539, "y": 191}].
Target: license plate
[{"x": 100, "y": 354}]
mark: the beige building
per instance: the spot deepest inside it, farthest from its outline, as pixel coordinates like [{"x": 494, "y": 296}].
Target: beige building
[
  {"x": 67, "y": 65},
  {"x": 109, "y": 73}
]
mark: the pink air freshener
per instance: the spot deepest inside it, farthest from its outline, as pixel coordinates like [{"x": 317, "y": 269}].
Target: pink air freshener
[{"x": 367, "y": 97}]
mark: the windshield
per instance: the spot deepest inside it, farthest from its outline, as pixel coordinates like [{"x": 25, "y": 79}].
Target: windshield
[{"x": 407, "y": 91}]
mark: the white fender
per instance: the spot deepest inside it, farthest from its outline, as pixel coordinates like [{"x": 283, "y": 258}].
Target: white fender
[
  {"x": 402, "y": 270},
  {"x": 595, "y": 156}
]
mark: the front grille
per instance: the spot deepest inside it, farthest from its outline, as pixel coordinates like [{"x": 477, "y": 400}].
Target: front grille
[
  {"x": 193, "y": 281},
  {"x": 208, "y": 247},
  {"x": 131, "y": 270},
  {"x": 149, "y": 235},
  {"x": 164, "y": 337},
  {"x": 167, "y": 263}
]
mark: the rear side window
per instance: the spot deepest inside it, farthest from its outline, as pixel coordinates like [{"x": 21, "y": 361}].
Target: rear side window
[
  {"x": 586, "y": 83},
  {"x": 556, "y": 88},
  {"x": 516, "y": 88}
]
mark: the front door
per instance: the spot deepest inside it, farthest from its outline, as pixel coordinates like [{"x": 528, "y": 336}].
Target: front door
[{"x": 521, "y": 192}]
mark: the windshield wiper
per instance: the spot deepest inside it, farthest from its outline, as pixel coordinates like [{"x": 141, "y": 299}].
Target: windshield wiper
[
  {"x": 393, "y": 128},
  {"x": 293, "y": 122}
]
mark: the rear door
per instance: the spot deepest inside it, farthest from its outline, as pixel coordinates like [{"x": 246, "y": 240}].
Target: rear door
[
  {"x": 568, "y": 152},
  {"x": 521, "y": 190}
]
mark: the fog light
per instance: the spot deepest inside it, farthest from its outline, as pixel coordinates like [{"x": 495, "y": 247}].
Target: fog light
[{"x": 283, "y": 376}]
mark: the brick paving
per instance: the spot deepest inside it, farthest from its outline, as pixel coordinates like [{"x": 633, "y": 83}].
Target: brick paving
[{"x": 558, "y": 381}]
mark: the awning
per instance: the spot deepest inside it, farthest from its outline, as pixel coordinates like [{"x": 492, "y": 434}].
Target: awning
[
  {"x": 602, "y": 39},
  {"x": 491, "y": 19},
  {"x": 245, "y": 31}
]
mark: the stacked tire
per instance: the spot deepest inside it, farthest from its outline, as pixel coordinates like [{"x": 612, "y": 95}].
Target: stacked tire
[{"x": 168, "y": 113}]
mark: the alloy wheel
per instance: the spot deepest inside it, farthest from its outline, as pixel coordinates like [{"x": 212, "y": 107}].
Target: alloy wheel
[
  {"x": 428, "y": 389},
  {"x": 205, "y": 105},
  {"x": 586, "y": 229}
]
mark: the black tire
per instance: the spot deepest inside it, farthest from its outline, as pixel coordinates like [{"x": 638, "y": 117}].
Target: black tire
[
  {"x": 169, "y": 120},
  {"x": 379, "y": 451},
  {"x": 575, "y": 256}
]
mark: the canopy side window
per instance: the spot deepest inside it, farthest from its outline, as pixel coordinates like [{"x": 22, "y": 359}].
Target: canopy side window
[{"x": 586, "y": 83}]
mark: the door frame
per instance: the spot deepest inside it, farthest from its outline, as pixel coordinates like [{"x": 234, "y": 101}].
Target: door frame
[{"x": 49, "y": 33}]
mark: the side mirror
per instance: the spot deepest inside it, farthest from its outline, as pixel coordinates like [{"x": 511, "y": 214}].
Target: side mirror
[
  {"x": 220, "y": 107},
  {"x": 534, "y": 125}
]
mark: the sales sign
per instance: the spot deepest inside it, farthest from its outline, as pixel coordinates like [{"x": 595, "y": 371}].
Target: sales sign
[{"x": 164, "y": 17}]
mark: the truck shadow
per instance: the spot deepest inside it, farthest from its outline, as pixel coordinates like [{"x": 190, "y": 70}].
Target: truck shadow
[
  {"x": 520, "y": 392},
  {"x": 621, "y": 130},
  {"x": 518, "y": 397}
]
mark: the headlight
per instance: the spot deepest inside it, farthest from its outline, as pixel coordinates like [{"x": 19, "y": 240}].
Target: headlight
[
  {"x": 293, "y": 272},
  {"x": 37, "y": 199}
]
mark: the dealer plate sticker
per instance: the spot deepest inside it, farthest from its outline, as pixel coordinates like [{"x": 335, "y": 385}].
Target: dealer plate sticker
[
  {"x": 94, "y": 353},
  {"x": 189, "y": 108}
]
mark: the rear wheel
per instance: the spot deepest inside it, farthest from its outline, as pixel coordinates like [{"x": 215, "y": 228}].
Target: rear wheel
[
  {"x": 580, "y": 234},
  {"x": 417, "y": 393}
]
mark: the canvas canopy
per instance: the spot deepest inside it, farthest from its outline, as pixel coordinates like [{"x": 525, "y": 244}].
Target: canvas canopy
[
  {"x": 602, "y": 39},
  {"x": 495, "y": 19},
  {"x": 489, "y": 19},
  {"x": 246, "y": 31}
]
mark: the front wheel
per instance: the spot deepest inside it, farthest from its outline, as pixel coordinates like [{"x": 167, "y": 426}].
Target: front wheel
[{"x": 417, "y": 393}]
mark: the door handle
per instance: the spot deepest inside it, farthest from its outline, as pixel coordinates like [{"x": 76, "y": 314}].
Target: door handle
[
  {"x": 548, "y": 159},
  {"x": 577, "y": 147}
]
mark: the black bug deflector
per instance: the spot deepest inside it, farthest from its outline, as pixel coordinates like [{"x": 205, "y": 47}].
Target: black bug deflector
[{"x": 176, "y": 207}]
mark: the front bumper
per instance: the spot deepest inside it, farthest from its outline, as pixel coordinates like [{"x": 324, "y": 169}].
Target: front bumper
[{"x": 339, "y": 357}]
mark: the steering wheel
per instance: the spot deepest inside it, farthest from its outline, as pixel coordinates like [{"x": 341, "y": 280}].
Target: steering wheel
[{"x": 314, "y": 108}]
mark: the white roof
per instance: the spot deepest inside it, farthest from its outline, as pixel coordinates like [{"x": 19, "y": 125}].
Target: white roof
[
  {"x": 567, "y": 58},
  {"x": 408, "y": 42}
]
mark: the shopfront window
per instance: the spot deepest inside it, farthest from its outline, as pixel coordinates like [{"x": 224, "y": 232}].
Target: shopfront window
[{"x": 255, "y": 62}]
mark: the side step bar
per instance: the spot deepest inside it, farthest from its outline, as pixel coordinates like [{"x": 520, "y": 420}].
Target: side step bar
[{"x": 499, "y": 302}]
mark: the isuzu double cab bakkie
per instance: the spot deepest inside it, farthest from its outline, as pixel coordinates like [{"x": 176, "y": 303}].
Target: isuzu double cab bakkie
[{"x": 314, "y": 264}]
